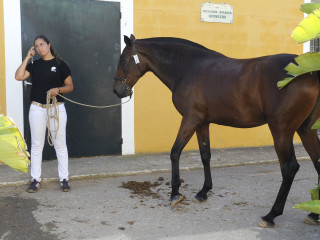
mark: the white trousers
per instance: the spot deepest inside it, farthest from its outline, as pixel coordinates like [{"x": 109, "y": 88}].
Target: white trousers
[{"x": 38, "y": 127}]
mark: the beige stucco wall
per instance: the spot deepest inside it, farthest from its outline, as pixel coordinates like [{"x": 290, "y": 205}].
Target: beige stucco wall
[{"x": 259, "y": 28}]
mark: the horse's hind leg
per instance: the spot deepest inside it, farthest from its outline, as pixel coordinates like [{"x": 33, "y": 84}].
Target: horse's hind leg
[
  {"x": 187, "y": 129},
  {"x": 289, "y": 167},
  {"x": 204, "y": 146},
  {"x": 311, "y": 143}
]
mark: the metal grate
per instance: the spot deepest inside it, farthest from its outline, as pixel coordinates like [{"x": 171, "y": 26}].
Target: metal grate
[{"x": 315, "y": 45}]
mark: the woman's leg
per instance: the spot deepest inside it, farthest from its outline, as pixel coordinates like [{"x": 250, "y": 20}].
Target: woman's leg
[
  {"x": 60, "y": 143},
  {"x": 37, "y": 120}
]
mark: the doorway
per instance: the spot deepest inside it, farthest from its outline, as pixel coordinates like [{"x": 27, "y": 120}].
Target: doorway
[{"x": 86, "y": 34}]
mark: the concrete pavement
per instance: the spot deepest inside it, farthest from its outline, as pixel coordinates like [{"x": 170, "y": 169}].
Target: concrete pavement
[
  {"x": 100, "y": 207},
  {"x": 108, "y": 166}
]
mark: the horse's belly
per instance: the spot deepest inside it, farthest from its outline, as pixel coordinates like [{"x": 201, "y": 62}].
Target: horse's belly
[
  {"x": 239, "y": 124},
  {"x": 238, "y": 119}
]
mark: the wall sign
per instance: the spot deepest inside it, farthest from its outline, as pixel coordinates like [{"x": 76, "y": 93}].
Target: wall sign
[{"x": 220, "y": 13}]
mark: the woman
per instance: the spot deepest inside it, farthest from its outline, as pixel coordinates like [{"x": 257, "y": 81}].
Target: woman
[{"x": 49, "y": 75}]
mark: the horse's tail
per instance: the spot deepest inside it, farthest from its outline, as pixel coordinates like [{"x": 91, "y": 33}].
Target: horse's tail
[{"x": 315, "y": 113}]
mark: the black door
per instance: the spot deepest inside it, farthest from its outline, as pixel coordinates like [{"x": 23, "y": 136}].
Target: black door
[{"x": 86, "y": 34}]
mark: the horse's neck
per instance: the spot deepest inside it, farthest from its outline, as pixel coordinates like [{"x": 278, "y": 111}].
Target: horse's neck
[{"x": 161, "y": 66}]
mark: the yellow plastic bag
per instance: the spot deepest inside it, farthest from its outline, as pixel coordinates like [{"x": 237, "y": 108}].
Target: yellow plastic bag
[{"x": 13, "y": 149}]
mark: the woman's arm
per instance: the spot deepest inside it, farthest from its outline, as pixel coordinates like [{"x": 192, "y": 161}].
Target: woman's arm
[
  {"x": 22, "y": 73},
  {"x": 67, "y": 87}
]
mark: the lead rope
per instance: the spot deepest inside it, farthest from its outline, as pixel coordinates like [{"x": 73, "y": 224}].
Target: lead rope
[{"x": 53, "y": 112}]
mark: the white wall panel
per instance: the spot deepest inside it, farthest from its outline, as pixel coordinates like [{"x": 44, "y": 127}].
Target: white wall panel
[{"x": 13, "y": 58}]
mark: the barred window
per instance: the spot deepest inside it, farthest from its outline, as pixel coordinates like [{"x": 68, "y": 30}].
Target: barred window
[{"x": 315, "y": 45}]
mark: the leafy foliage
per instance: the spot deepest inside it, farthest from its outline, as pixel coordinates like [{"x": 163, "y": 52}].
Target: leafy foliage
[
  {"x": 311, "y": 206},
  {"x": 307, "y": 62},
  {"x": 309, "y": 7}
]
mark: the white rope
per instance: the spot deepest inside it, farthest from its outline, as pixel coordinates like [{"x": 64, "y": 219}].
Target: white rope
[
  {"x": 53, "y": 113},
  {"x": 93, "y": 106}
]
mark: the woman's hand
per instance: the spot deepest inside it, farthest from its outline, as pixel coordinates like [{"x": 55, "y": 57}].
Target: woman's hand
[
  {"x": 53, "y": 92},
  {"x": 31, "y": 52},
  {"x": 21, "y": 73}
]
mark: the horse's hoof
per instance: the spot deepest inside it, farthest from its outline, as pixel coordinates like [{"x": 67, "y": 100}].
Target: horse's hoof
[
  {"x": 311, "y": 221},
  {"x": 266, "y": 224},
  {"x": 176, "y": 200},
  {"x": 199, "y": 199}
]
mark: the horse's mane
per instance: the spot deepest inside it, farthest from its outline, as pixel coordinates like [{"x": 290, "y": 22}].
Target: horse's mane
[
  {"x": 178, "y": 41},
  {"x": 174, "y": 40}
]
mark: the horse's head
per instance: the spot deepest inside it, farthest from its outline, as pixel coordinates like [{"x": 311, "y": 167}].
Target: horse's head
[{"x": 128, "y": 70}]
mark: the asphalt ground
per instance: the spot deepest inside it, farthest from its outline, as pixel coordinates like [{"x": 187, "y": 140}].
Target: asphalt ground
[{"x": 99, "y": 206}]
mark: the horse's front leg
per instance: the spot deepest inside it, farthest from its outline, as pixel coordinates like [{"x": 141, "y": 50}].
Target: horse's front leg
[
  {"x": 187, "y": 129},
  {"x": 204, "y": 146}
]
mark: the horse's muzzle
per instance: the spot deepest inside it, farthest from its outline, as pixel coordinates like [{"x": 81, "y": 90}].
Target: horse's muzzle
[
  {"x": 119, "y": 95},
  {"x": 122, "y": 92}
]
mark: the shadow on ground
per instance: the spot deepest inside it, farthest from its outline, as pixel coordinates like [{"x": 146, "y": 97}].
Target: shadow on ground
[{"x": 18, "y": 222}]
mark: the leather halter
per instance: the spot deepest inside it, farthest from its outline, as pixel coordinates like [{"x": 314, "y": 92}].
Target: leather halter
[{"x": 123, "y": 79}]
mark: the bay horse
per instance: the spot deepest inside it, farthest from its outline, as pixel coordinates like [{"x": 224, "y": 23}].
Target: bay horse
[{"x": 209, "y": 87}]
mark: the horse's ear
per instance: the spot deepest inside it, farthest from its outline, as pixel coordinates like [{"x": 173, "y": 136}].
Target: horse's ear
[
  {"x": 127, "y": 41},
  {"x": 132, "y": 38}
]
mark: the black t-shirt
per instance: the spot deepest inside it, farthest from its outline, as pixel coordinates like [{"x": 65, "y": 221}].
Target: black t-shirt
[{"x": 46, "y": 74}]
